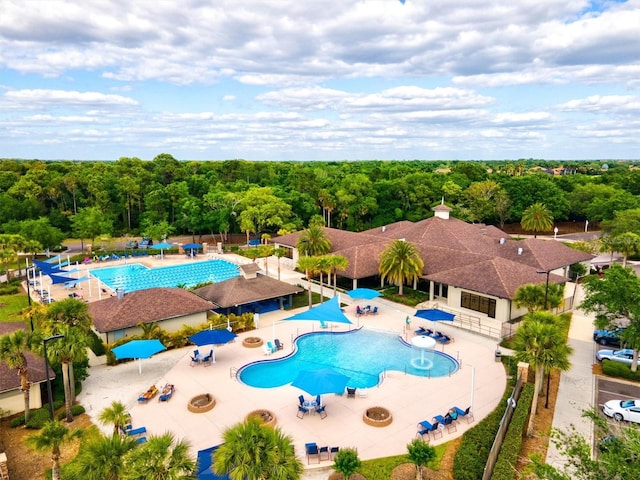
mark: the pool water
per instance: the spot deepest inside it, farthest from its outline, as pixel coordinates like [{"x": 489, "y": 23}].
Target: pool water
[
  {"x": 139, "y": 277},
  {"x": 361, "y": 354}
]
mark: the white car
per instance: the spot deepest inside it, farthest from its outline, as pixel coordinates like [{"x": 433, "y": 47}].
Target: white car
[
  {"x": 622, "y": 356},
  {"x": 628, "y": 410}
]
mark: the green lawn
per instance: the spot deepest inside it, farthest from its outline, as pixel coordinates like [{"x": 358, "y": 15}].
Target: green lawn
[{"x": 11, "y": 306}]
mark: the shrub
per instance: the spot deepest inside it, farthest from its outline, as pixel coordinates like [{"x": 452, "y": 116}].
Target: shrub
[
  {"x": 9, "y": 290},
  {"x": 17, "y": 422},
  {"x": 346, "y": 462},
  {"x": 471, "y": 457},
  {"x": 505, "y": 467},
  {"x": 38, "y": 418},
  {"x": 620, "y": 370},
  {"x": 76, "y": 410}
]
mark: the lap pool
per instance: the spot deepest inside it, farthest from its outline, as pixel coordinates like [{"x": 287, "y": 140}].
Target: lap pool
[
  {"x": 363, "y": 355},
  {"x": 140, "y": 277}
]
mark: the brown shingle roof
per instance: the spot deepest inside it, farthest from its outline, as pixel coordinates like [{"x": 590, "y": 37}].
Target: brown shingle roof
[
  {"x": 144, "y": 306},
  {"x": 240, "y": 290},
  {"x": 9, "y": 379}
]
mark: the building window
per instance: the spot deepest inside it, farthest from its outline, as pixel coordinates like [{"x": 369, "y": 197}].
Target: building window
[
  {"x": 440, "y": 290},
  {"x": 478, "y": 303}
]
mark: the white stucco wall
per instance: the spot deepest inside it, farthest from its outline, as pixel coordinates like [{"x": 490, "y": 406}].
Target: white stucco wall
[{"x": 13, "y": 401}]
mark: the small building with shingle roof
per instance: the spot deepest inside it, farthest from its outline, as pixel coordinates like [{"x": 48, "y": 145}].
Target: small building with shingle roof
[
  {"x": 11, "y": 397},
  {"x": 171, "y": 308},
  {"x": 474, "y": 269},
  {"x": 248, "y": 292}
]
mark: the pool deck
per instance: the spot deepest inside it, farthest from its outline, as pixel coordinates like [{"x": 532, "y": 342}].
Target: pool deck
[{"x": 410, "y": 399}]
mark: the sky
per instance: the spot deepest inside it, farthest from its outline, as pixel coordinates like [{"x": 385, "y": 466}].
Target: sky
[{"x": 320, "y": 79}]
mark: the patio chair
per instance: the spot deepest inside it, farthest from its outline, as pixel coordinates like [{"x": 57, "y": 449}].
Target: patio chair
[
  {"x": 359, "y": 311},
  {"x": 374, "y": 311},
  {"x": 467, "y": 413},
  {"x": 266, "y": 349},
  {"x": 322, "y": 451},
  {"x": 311, "y": 449},
  {"x": 447, "y": 422},
  {"x": 301, "y": 399},
  {"x": 351, "y": 392},
  {"x": 208, "y": 360},
  {"x": 279, "y": 344},
  {"x": 333, "y": 451},
  {"x": 302, "y": 411},
  {"x": 444, "y": 339},
  {"x": 271, "y": 346},
  {"x": 320, "y": 410},
  {"x": 194, "y": 360}
]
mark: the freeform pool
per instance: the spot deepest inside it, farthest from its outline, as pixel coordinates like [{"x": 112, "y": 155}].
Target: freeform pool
[
  {"x": 361, "y": 354},
  {"x": 139, "y": 277}
]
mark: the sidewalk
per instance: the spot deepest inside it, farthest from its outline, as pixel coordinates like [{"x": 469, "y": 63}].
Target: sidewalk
[{"x": 576, "y": 391}]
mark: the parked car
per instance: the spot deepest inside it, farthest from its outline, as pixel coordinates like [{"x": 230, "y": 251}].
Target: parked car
[
  {"x": 131, "y": 244},
  {"x": 145, "y": 243},
  {"x": 628, "y": 410},
  {"x": 608, "y": 337},
  {"x": 622, "y": 356}
]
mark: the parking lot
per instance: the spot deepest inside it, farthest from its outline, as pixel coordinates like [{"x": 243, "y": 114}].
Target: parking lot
[{"x": 608, "y": 389}]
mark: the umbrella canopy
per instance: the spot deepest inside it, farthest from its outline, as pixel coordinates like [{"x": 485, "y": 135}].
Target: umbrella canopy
[
  {"x": 212, "y": 337},
  {"x": 205, "y": 465},
  {"x": 435, "y": 315},
  {"x": 364, "y": 293},
  {"x": 162, "y": 246},
  {"x": 191, "y": 246},
  {"x": 138, "y": 349},
  {"x": 321, "y": 381},
  {"x": 328, "y": 311}
]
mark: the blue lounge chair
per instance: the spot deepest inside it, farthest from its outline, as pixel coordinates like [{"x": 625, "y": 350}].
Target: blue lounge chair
[
  {"x": 433, "y": 428},
  {"x": 167, "y": 392},
  {"x": 141, "y": 440},
  {"x": 437, "y": 335},
  {"x": 136, "y": 431},
  {"x": 333, "y": 451},
  {"x": 322, "y": 451},
  {"x": 444, "y": 339},
  {"x": 271, "y": 346},
  {"x": 311, "y": 449},
  {"x": 447, "y": 421},
  {"x": 467, "y": 413}
]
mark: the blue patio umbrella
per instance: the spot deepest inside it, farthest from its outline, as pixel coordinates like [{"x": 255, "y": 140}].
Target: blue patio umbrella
[
  {"x": 435, "y": 315},
  {"x": 205, "y": 465},
  {"x": 364, "y": 293},
  {"x": 162, "y": 247},
  {"x": 138, "y": 349},
  {"x": 321, "y": 381},
  {"x": 328, "y": 311},
  {"x": 212, "y": 337},
  {"x": 191, "y": 246}
]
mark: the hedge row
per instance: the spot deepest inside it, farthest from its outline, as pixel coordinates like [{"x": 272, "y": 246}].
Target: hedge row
[
  {"x": 505, "y": 468},
  {"x": 620, "y": 370},
  {"x": 471, "y": 457}
]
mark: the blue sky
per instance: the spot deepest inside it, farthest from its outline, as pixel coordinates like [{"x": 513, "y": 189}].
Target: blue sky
[{"x": 320, "y": 80}]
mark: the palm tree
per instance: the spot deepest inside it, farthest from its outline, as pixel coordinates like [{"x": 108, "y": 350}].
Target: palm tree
[
  {"x": 116, "y": 415},
  {"x": 160, "y": 458},
  {"x": 337, "y": 262},
  {"x": 400, "y": 262},
  {"x": 530, "y": 296},
  {"x": 323, "y": 266},
  {"x": 51, "y": 437},
  {"x": 70, "y": 348},
  {"x": 313, "y": 242},
  {"x": 265, "y": 252},
  {"x": 103, "y": 458},
  {"x": 279, "y": 253},
  {"x": 540, "y": 342},
  {"x": 626, "y": 243},
  {"x": 420, "y": 453},
  {"x": 308, "y": 265},
  {"x": 12, "y": 349},
  {"x": 537, "y": 218},
  {"x": 253, "y": 451}
]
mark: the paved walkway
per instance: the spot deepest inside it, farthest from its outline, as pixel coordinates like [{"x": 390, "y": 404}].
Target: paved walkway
[{"x": 576, "y": 391}]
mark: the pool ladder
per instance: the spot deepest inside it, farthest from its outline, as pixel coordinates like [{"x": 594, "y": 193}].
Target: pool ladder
[{"x": 233, "y": 372}]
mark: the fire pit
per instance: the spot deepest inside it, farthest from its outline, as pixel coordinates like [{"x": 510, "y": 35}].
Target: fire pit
[
  {"x": 252, "y": 342},
  {"x": 267, "y": 417},
  {"x": 201, "y": 403},
  {"x": 377, "y": 417}
]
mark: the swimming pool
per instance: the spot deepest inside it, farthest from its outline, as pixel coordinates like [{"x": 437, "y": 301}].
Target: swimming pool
[
  {"x": 361, "y": 354},
  {"x": 139, "y": 277}
]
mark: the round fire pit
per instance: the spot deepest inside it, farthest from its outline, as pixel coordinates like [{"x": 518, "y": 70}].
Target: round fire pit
[
  {"x": 377, "y": 417},
  {"x": 201, "y": 403},
  {"x": 267, "y": 417},
  {"x": 252, "y": 342}
]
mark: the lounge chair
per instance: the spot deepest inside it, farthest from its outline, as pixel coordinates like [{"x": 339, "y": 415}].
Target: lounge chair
[
  {"x": 467, "y": 413},
  {"x": 436, "y": 335},
  {"x": 447, "y": 421},
  {"x": 279, "y": 345},
  {"x": 322, "y": 452},
  {"x": 136, "y": 431},
  {"x": 433, "y": 428},
  {"x": 166, "y": 393},
  {"x": 420, "y": 331},
  {"x": 320, "y": 410},
  {"x": 444, "y": 339},
  {"x": 271, "y": 346},
  {"x": 148, "y": 395},
  {"x": 266, "y": 349},
  {"x": 311, "y": 449},
  {"x": 302, "y": 411},
  {"x": 374, "y": 311},
  {"x": 351, "y": 392},
  {"x": 141, "y": 440}
]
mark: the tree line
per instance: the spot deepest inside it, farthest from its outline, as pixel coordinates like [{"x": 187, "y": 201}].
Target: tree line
[{"x": 52, "y": 200}]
